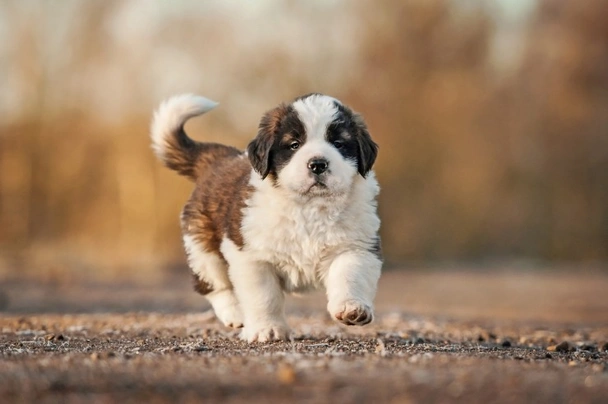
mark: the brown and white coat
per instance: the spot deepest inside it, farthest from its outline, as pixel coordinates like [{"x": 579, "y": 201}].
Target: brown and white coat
[{"x": 295, "y": 212}]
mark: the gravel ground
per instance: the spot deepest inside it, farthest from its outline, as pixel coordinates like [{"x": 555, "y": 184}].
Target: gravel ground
[{"x": 459, "y": 336}]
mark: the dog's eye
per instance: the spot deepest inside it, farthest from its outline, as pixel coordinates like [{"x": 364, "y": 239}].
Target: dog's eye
[
  {"x": 294, "y": 145},
  {"x": 338, "y": 144}
]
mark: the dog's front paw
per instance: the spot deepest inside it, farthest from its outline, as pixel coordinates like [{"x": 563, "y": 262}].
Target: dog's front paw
[
  {"x": 352, "y": 312},
  {"x": 265, "y": 333},
  {"x": 227, "y": 308},
  {"x": 230, "y": 316}
]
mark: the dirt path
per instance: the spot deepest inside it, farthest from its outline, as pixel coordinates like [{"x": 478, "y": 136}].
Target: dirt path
[{"x": 533, "y": 338}]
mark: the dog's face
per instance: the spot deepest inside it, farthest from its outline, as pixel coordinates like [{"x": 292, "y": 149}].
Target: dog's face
[{"x": 315, "y": 146}]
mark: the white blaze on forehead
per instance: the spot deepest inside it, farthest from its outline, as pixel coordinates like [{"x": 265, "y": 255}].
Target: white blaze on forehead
[{"x": 316, "y": 113}]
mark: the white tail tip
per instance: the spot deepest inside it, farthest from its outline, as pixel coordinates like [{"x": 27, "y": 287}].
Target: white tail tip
[{"x": 173, "y": 113}]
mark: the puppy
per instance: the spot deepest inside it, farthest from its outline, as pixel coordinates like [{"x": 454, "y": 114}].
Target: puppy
[{"x": 295, "y": 212}]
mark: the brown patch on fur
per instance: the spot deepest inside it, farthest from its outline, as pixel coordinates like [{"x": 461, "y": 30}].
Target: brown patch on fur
[
  {"x": 271, "y": 121},
  {"x": 259, "y": 148},
  {"x": 270, "y": 150},
  {"x": 189, "y": 157},
  {"x": 201, "y": 286},
  {"x": 215, "y": 207}
]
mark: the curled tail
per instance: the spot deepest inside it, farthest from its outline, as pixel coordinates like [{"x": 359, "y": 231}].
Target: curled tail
[{"x": 171, "y": 143}]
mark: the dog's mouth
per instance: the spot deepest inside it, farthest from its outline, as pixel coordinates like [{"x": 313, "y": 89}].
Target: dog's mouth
[{"x": 318, "y": 187}]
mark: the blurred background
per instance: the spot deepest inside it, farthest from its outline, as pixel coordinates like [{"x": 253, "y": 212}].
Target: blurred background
[{"x": 491, "y": 116}]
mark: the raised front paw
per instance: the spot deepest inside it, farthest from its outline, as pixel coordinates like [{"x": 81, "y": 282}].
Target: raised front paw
[
  {"x": 352, "y": 312},
  {"x": 265, "y": 333}
]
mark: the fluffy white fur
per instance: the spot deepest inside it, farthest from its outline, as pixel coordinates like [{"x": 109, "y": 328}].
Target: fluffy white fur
[
  {"x": 211, "y": 268},
  {"x": 172, "y": 114},
  {"x": 296, "y": 245}
]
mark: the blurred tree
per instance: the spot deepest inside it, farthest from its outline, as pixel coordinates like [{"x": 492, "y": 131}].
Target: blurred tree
[
  {"x": 476, "y": 161},
  {"x": 474, "y": 165}
]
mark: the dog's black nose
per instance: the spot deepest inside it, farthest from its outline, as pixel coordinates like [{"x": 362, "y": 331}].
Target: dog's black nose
[{"x": 318, "y": 165}]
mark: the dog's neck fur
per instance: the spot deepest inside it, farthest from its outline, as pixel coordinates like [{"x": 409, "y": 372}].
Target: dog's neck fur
[{"x": 301, "y": 237}]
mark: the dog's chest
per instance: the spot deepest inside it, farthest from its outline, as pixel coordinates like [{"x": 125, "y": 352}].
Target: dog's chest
[{"x": 299, "y": 242}]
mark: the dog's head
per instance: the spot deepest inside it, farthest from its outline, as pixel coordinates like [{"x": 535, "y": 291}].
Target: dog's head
[{"x": 313, "y": 146}]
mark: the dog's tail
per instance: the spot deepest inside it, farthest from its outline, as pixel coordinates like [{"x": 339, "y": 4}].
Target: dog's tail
[{"x": 171, "y": 143}]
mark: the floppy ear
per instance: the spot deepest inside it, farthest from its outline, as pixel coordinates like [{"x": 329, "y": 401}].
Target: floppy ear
[
  {"x": 259, "y": 150},
  {"x": 259, "y": 153},
  {"x": 368, "y": 149}
]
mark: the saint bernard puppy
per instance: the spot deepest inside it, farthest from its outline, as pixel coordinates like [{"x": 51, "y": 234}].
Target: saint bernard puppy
[{"x": 295, "y": 212}]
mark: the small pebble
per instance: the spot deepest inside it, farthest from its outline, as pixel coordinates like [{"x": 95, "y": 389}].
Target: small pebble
[
  {"x": 563, "y": 346},
  {"x": 380, "y": 347},
  {"x": 286, "y": 374},
  {"x": 95, "y": 356},
  {"x": 506, "y": 343},
  {"x": 587, "y": 347},
  {"x": 590, "y": 381}
]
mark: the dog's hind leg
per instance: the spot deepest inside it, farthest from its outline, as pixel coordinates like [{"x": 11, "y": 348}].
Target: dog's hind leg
[{"x": 210, "y": 273}]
